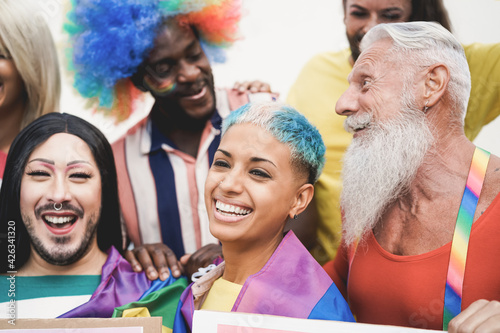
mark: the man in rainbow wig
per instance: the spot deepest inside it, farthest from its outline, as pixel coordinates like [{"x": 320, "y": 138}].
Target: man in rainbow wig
[{"x": 162, "y": 47}]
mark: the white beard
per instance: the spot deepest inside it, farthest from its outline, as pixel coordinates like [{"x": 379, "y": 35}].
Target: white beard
[{"x": 380, "y": 165}]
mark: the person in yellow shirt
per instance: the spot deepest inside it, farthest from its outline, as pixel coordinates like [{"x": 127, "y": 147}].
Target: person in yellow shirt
[{"x": 324, "y": 78}]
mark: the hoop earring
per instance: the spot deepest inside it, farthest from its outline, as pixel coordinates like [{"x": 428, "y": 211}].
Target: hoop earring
[{"x": 57, "y": 207}]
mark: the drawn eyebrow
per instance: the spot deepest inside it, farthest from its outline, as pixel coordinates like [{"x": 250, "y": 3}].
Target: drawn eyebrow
[
  {"x": 51, "y": 162},
  {"x": 77, "y": 162},
  {"x": 42, "y": 160}
]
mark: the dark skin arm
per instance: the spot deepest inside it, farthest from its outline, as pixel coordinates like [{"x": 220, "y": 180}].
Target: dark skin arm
[
  {"x": 305, "y": 226},
  {"x": 201, "y": 258},
  {"x": 156, "y": 258}
]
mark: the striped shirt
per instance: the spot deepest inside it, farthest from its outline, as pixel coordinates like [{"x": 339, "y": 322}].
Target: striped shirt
[
  {"x": 44, "y": 296},
  {"x": 162, "y": 188}
]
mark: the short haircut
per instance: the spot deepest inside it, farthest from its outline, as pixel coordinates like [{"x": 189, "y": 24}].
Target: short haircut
[
  {"x": 421, "y": 44},
  {"x": 35, "y": 134},
  {"x": 288, "y": 126},
  {"x": 26, "y": 38}
]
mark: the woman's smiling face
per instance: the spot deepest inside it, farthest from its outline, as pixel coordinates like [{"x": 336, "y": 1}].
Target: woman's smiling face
[{"x": 252, "y": 187}]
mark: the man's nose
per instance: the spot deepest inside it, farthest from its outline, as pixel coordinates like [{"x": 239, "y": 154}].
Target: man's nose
[
  {"x": 59, "y": 191},
  {"x": 188, "y": 72},
  {"x": 347, "y": 104}
]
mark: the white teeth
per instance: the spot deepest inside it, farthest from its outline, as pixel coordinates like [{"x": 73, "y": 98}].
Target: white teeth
[
  {"x": 58, "y": 220},
  {"x": 228, "y": 209}
]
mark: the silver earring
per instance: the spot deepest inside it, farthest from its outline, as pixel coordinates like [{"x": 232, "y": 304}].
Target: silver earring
[
  {"x": 426, "y": 107},
  {"x": 56, "y": 207},
  {"x": 220, "y": 183},
  {"x": 295, "y": 217}
]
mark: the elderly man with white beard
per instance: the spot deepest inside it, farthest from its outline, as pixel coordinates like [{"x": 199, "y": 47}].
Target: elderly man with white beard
[{"x": 420, "y": 201}]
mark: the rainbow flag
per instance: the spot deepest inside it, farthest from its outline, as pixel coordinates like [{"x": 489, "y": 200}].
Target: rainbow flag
[
  {"x": 126, "y": 290},
  {"x": 291, "y": 284}
]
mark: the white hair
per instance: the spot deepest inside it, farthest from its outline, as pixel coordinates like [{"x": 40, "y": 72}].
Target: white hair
[
  {"x": 421, "y": 44},
  {"x": 380, "y": 166}
]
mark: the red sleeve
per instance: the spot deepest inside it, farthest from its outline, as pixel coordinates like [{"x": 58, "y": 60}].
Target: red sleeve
[{"x": 338, "y": 269}]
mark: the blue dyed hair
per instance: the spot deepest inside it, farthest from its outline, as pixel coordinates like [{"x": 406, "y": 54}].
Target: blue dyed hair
[{"x": 288, "y": 126}]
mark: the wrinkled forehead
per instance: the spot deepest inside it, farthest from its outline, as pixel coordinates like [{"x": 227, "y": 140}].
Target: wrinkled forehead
[{"x": 376, "y": 56}]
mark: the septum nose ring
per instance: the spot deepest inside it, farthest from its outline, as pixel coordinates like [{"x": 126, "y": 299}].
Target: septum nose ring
[{"x": 56, "y": 207}]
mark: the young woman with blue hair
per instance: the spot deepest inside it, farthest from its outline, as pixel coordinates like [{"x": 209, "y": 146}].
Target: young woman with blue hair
[{"x": 262, "y": 176}]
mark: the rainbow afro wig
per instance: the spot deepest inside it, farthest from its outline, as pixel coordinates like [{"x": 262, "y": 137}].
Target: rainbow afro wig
[{"x": 111, "y": 38}]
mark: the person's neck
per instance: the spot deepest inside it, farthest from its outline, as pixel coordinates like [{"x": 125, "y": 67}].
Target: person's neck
[
  {"x": 447, "y": 162},
  {"x": 10, "y": 126},
  {"x": 90, "y": 264},
  {"x": 243, "y": 260},
  {"x": 410, "y": 225},
  {"x": 185, "y": 132}
]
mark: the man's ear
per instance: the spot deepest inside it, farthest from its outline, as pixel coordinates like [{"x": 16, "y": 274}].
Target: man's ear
[
  {"x": 303, "y": 197},
  {"x": 436, "y": 83}
]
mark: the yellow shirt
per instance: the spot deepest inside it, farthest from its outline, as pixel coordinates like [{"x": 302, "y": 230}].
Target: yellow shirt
[
  {"x": 222, "y": 296},
  {"x": 315, "y": 93}
]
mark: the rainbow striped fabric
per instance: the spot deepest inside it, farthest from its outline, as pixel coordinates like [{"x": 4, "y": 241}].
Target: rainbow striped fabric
[
  {"x": 125, "y": 293},
  {"x": 460, "y": 243},
  {"x": 291, "y": 284}
]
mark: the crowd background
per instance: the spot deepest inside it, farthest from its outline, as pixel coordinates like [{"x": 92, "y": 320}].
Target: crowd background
[{"x": 278, "y": 37}]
